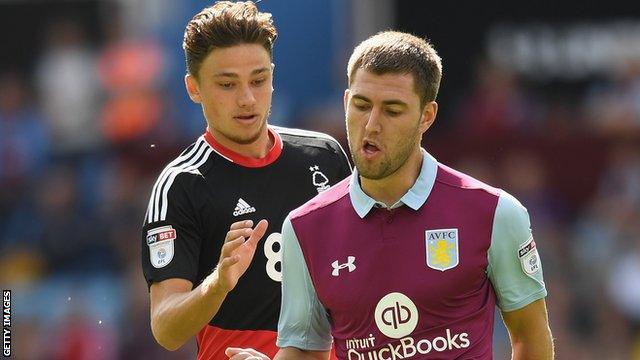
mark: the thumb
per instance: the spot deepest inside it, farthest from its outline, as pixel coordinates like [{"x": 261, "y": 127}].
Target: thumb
[{"x": 232, "y": 351}]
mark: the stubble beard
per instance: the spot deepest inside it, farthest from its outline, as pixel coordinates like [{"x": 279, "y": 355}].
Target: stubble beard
[
  {"x": 386, "y": 166},
  {"x": 250, "y": 138},
  {"x": 377, "y": 170}
]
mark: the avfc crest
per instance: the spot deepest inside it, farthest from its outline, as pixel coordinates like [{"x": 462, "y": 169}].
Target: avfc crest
[{"x": 442, "y": 248}]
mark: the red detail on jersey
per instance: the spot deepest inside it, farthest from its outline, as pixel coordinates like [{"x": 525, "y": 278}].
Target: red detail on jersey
[
  {"x": 527, "y": 248},
  {"x": 213, "y": 341},
  {"x": 246, "y": 161},
  {"x": 167, "y": 235}
]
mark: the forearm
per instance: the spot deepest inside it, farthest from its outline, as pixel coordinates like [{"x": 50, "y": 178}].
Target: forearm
[
  {"x": 529, "y": 332},
  {"x": 536, "y": 346},
  {"x": 290, "y": 353},
  {"x": 181, "y": 315}
]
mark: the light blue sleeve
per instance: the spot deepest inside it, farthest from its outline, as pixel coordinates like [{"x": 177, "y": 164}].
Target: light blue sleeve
[
  {"x": 304, "y": 322},
  {"x": 515, "y": 269}
]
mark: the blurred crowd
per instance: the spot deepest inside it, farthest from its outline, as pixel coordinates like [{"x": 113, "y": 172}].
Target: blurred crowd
[{"x": 83, "y": 137}]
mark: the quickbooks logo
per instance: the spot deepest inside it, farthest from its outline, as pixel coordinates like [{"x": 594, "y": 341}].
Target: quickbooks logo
[
  {"x": 408, "y": 347},
  {"x": 396, "y": 315}
]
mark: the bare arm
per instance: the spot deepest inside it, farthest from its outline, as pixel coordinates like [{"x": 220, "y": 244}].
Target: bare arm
[
  {"x": 291, "y": 353},
  {"x": 529, "y": 332},
  {"x": 178, "y": 312}
]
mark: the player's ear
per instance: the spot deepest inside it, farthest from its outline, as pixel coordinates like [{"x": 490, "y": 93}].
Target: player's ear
[
  {"x": 346, "y": 99},
  {"x": 428, "y": 116},
  {"x": 273, "y": 69},
  {"x": 193, "y": 89}
]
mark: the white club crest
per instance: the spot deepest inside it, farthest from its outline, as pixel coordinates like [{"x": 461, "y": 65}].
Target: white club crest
[{"x": 320, "y": 180}]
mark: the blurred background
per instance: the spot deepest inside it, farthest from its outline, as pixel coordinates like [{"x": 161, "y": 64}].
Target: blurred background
[{"x": 541, "y": 99}]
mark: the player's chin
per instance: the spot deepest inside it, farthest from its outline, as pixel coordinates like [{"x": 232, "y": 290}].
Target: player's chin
[
  {"x": 367, "y": 170},
  {"x": 249, "y": 137}
]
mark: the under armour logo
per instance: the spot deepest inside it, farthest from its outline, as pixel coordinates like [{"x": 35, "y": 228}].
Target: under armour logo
[{"x": 349, "y": 264}]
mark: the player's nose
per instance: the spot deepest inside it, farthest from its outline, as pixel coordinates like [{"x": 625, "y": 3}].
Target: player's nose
[
  {"x": 246, "y": 98},
  {"x": 372, "y": 124}
]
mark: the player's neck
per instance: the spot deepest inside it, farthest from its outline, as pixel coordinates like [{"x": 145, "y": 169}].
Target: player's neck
[{"x": 393, "y": 187}]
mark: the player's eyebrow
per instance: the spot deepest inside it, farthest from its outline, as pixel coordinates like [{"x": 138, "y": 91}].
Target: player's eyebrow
[
  {"x": 260, "y": 71},
  {"x": 361, "y": 97},
  {"x": 395, "y": 102},
  {"x": 385, "y": 102},
  {"x": 235, "y": 75}
]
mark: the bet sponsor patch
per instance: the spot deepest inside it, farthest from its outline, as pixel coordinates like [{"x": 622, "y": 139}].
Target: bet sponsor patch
[
  {"x": 160, "y": 241},
  {"x": 529, "y": 258}
]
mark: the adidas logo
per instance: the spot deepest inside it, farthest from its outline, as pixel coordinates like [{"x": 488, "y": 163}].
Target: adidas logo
[{"x": 243, "y": 208}]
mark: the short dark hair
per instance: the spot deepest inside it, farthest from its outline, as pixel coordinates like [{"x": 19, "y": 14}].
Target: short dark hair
[
  {"x": 402, "y": 53},
  {"x": 226, "y": 24}
]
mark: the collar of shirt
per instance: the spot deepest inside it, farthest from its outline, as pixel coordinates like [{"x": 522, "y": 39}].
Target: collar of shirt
[{"x": 414, "y": 198}]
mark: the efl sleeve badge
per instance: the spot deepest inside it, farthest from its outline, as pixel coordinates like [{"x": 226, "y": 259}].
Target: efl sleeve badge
[
  {"x": 160, "y": 241},
  {"x": 529, "y": 258}
]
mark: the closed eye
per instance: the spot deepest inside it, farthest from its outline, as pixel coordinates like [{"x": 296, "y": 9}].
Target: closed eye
[
  {"x": 393, "y": 113},
  {"x": 361, "y": 105},
  {"x": 258, "y": 82}
]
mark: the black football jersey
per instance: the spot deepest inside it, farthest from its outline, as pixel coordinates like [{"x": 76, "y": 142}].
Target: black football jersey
[{"x": 206, "y": 189}]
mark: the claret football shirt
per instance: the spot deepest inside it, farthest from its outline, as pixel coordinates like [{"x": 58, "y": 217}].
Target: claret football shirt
[
  {"x": 417, "y": 281},
  {"x": 207, "y": 188}
]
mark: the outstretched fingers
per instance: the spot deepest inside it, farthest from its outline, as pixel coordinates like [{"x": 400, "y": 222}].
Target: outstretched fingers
[
  {"x": 234, "y": 234},
  {"x": 244, "y": 354},
  {"x": 258, "y": 232},
  {"x": 227, "y": 258},
  {"x": 241, "y": 224},
  {"x": 239, "y": 235}
]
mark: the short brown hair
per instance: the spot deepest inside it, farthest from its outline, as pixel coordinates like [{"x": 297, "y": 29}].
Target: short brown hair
[
  {"x": 402, "y": 53},
  {"x": 226, "y": 24}
]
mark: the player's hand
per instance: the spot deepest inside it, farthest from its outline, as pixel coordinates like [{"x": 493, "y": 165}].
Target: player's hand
[
  {"x": 237, "y": 252},
  {"x": 244, "y": 354}
]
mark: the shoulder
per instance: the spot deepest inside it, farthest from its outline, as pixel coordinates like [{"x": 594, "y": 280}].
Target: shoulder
[
  {"x": 325, "y": 199},
  {"x": 190, "y": 159},
  {"x": 511, "y": 226},
  {"x": 186, "y": 166},
  {"x": 456, "y": 179},
  {"x": 299, "y": 137},
  {"x": 178, "y": 179},
  {"x": 316, "y": 146},
  {"x": 509, "y": 204},
  {"x": 511, "y": 214},
  {"x": 506, "y": 204}
]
